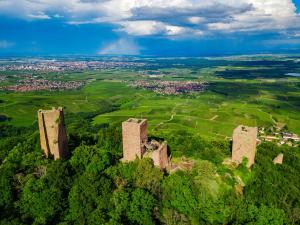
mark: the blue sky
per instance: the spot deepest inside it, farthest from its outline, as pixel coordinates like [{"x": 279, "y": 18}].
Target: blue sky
[{"x": 149, "y": 27}]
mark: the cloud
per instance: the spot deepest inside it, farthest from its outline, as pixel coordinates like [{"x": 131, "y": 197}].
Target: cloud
[
  {"x": 166, "y": 18},
  {"x": 123, "y": 46},
  {"x": 6, "y": 44},
  {"x": 40, "y": 15}
]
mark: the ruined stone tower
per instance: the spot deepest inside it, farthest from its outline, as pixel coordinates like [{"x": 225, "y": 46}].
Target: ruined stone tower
[
  {"x": 135, "y": 144},
  {"x": 244, "y": 144},
  {"x": 53, "y": 134},
  {"x": 158, "y": 152},
  {"x": 134, "y": 132}
]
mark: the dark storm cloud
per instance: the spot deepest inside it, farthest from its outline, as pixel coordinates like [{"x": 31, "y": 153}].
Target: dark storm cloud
[{"x": 210, "y": 11}]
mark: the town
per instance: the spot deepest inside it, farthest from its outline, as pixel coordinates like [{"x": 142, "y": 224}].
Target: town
[
  {"x": 31, "y": 83},
  {"x": 61, "y": 66},
  {"x": 171, "y": 87}
]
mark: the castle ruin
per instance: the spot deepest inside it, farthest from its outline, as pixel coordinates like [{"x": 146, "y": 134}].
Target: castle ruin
[
  {"x": 244, "y": 144},
  {"x": 136, "y": 145},
  {"x": 53, "y": 136},
  {"x": 158, "y": 152}
]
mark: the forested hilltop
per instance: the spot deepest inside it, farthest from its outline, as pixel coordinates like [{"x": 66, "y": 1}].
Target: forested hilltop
[{"x": 94, "y": 187}]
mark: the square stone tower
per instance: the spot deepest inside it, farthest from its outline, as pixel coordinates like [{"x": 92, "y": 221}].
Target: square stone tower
[
  {"x": 53, "y": 134},
  {"x": 244, "y": 144},
  {"x": 134, "y": 132}
]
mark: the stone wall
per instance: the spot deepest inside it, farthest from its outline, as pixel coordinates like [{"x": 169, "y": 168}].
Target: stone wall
[
  {"x": 134, "y": 133},
  {"x": 244, "y": 144},
  {"x": 160, "y": 156},
  {"x": 53, "y": 136}
]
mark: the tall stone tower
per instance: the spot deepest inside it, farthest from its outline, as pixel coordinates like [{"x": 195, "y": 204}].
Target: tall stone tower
[
  {"x": 53, "y": 134},
  {"x": 134, "y": 132},
  {"x": 244, "y": 144}
]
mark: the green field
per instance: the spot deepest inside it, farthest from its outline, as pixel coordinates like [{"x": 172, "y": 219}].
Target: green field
[
  {"x": 214, "y": 113},
  {"x": 209, "y": 114}
]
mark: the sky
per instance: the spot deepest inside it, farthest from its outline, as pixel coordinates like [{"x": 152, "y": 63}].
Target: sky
[{"x": 149, "y": 27}]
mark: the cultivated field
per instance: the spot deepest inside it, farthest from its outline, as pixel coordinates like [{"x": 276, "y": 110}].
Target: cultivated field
[{"x": 233, "y": 97}]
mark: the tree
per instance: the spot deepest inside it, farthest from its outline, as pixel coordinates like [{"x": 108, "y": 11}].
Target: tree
[
  {"x": 147, "y": 176},
  {"x": 132, "y": 206},
  {"x": 178, "y": 193},
  {"x": 89, "y": 198},
  {"x": 141, "y": 207},
  {"x": 90, "y": 158},
  {"x": 43, "y": 198},
  {"x": 252, "y": 215}
]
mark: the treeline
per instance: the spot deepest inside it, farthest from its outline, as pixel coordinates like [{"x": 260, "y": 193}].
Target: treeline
[{"x": 93, "y": 187}]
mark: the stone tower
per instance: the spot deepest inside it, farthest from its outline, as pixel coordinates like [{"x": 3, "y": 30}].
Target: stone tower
[
  {"x": 53, "y": 134},
  {"x": 244, "y": 144},
  {"x": 134, "y": 132}
]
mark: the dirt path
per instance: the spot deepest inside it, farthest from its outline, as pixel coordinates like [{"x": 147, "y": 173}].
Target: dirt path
[
  {"x": 171, "y": 117},
  {"x": 215, "y": 117},
  {"x": 169, "y": 120},
  {"x": 270, "y": 115}
]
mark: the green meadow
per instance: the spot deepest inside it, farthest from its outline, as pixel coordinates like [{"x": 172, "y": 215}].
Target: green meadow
[
  {"x": 209, "y": 114},
  {"x": 212, "y": 114}
]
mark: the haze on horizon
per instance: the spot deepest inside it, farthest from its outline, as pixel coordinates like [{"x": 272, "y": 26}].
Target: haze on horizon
[{"x": 149, "y": 27}]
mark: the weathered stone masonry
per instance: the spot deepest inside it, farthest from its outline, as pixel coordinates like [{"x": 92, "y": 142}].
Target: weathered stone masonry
[
  {"x": 135, "y": 136},
  {"x": 244, "y": 144},
  {"x": 53, "y": 136},
  {"x": 136, "y": 145}
]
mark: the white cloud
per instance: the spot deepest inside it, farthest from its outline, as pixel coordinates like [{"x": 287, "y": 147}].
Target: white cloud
[
  {"x": 40, "y": 15},
  {"x": 165, "y": 18},
  {"x": 123, "y": 46},
  {"x": 265, "y": 16},
  {"x": 142, "y": 27},
  {"x": 6, "y": 44},
  {"x": 196, "y": 20}
]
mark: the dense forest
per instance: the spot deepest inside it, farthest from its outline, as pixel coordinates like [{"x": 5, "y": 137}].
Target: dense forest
[{"x": 93, "y": 187}]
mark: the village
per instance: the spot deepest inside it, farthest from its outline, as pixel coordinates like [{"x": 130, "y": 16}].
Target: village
[
  {"x": 278, "y": 135},
  {"x": 171, "y": 87},
  {"x": 31, "y": 83},
  {"x": 61, "y": 66}
]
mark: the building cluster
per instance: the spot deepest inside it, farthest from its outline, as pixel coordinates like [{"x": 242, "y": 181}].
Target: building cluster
[
  {"x": 280, "y": 137},
  {"x": 171, "y": 87},
  {"x": 33, "y": 84},
  {"x": 136, "y": 144},
  {"x": 61, "y": 66}
]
